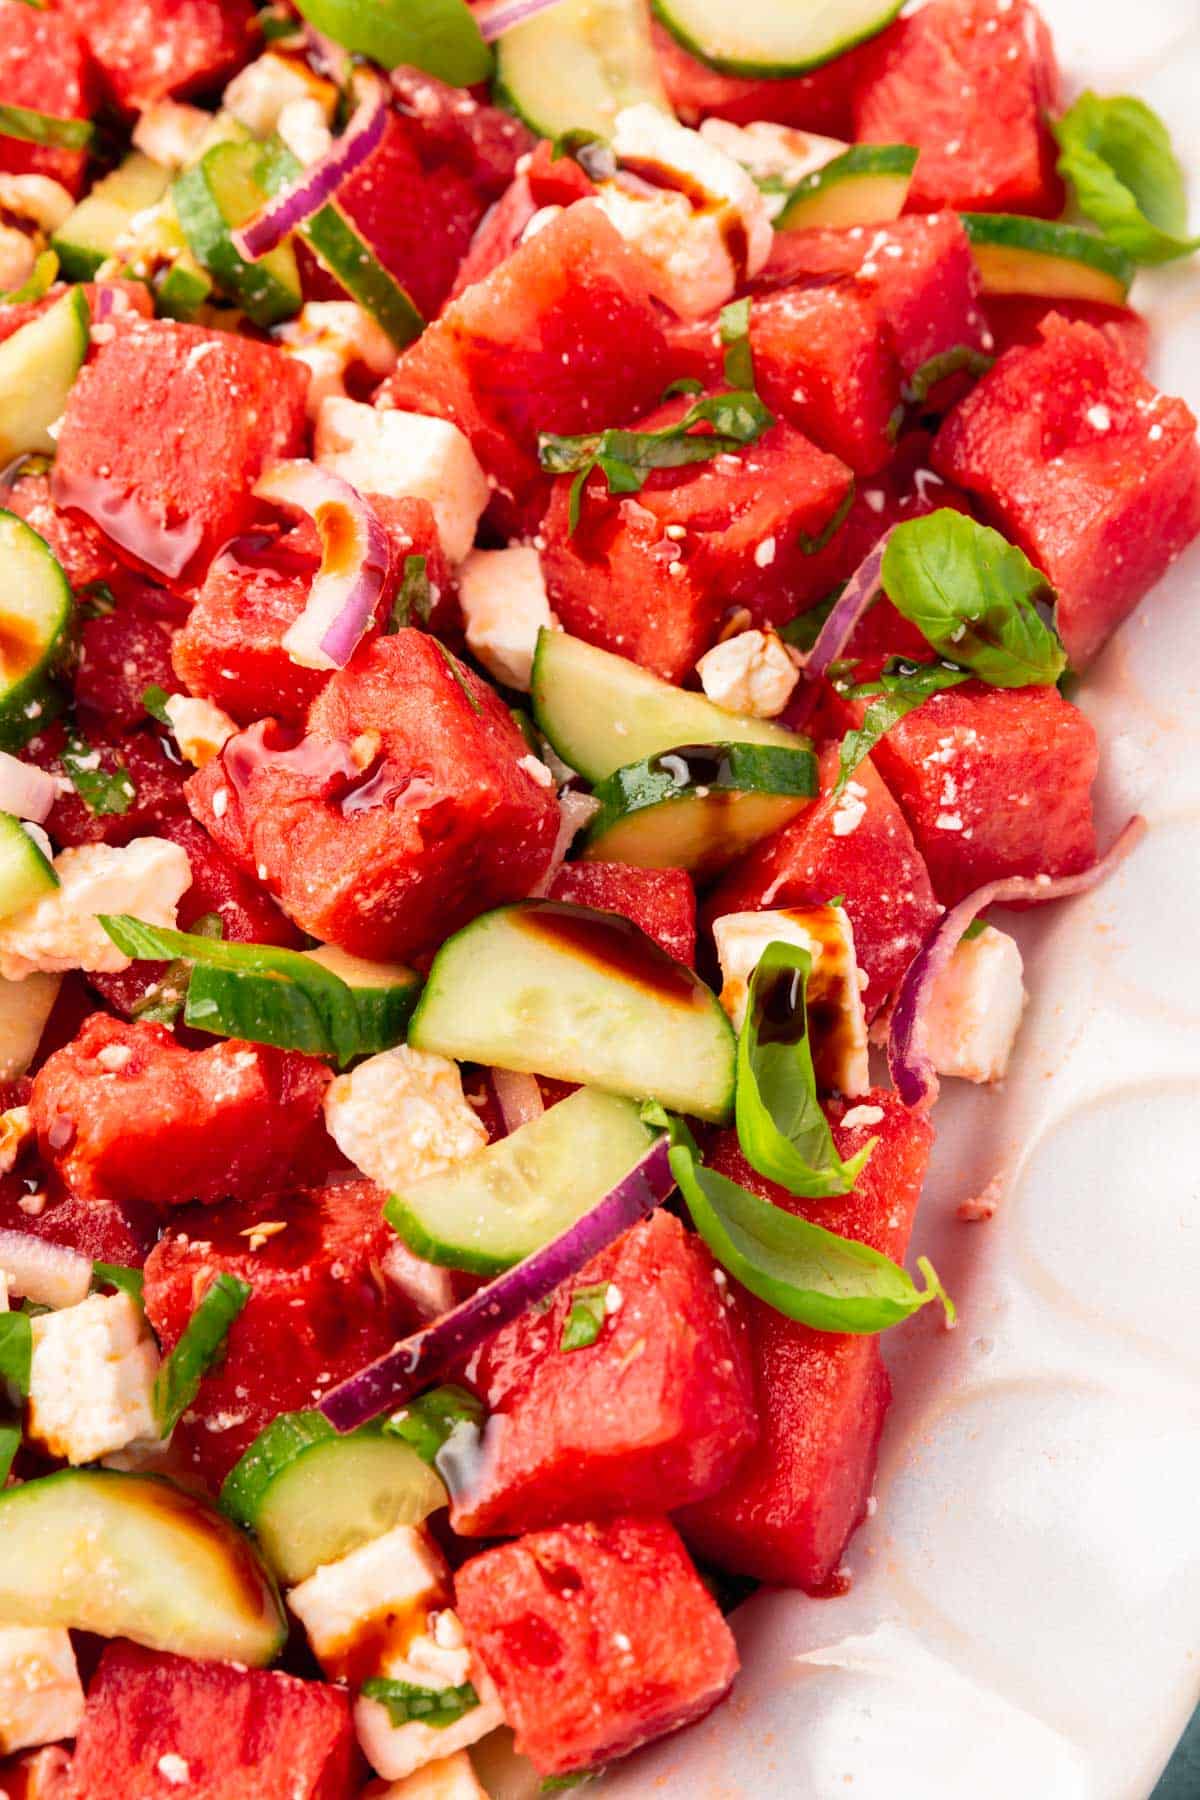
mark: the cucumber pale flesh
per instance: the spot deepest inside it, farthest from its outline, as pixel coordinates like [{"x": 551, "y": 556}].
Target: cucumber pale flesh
[
  {"x": 772, "y": 37},
  {"x": 35, "y": 616},
  {"x": 575, "y": 66}
]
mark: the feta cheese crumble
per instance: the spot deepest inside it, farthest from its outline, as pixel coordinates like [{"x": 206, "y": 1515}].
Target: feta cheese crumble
[
  {"x": 504, "y": 604},
  {"x": 406, "y": 455},
  {"x": 751, "y": 674},
  {"x": 201, "y": 729},
  {"x": 61, "y": 930},
  {"x": 402, "y": 1115},
  {"x": 974, "y": 1010},
  {"x": 41, "y": 1698},
  {"x": 91, "y": 1385}
]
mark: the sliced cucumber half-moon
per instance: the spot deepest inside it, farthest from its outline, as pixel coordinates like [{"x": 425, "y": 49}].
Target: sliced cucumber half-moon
[
  {"x": 1016, "y": 255},
  {"x": 772, "y": 37},
  {"x": 575, "y": 66}
]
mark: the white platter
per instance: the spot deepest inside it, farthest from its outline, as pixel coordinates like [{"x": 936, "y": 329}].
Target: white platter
[{"x": 1024, "y": 1621}]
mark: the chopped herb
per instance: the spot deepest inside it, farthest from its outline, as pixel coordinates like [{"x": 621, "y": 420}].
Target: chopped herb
[
  {"x": 593, "y": 153},
  {"x": 803, "y": 631},
  {"x": 558, "y": 1784},
  {"x": 414, "y": 599},
  {"x": 103, "y": 791},
  {"x": 162, "y": 1003},
  {"x": 202, "y": 1341},
  {"x": 961, "y": 359},
  {"x": 436, "y": 1707},
  {"x": 900, "y": 689},
  {"x": 117, "y": 1275},
  {"x": 45, "y": 128},
  {"x": 10, "y": 1443},
  {"x": 1117, "y": 155},
  {"x": 455, "y": 668},
  {"x": 735, "y": 336},
  {"x": 429, "y": 1422},
  {"x": 16, "y": 1349},
  {"x": 154, "y": 699},
  {"x": 95, "y": 599},
  {"x": 683, "y": 384},
  {"x": 585, "y": 1320},
  {"x": 975, "y": 929}
]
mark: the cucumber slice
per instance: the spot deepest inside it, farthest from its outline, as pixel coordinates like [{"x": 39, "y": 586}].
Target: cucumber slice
[
  {"x": 699, "y": 807},
  {"x": 601, "y": 712},
  {"x": 25, "y": 874},
  {"x": 311, "y": 1496},
  {"x": 576, "y": 65},
  {"x": 155, "y": 251},
  {"x": 503, "y": 1204},
  {"x": 134, "y": 1556},
  {"x": 38, "y": 365},
  {"x": 35, "y": 615},
  {"x": 24, "y": 1008},
  {"x": 88, "y": 236},
  {"x": 215, "y": 195},
  {"x": 258, "y": 1006},
  {"x": 1016, "y": 255},
  {"x": 385, "y": 994},
  {"x": 867, "y": 185},
  {"x": 772, "y": 37},
  {"x": 552, "y": 989}
]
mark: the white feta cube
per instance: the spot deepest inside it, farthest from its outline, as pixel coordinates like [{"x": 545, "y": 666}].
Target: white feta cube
[
  {"x": 405, "y": 454},
  {"x": 344, "y": 1600},
  {"x": 172, "y": 134},
  {"x": 504, "y": 605},
  {"x": 61, "y": 930},
  {"x": 750, "y": 673},
  {"x": 201, "y": 729},
  {"x": 770, "y": 152},
  {"x": 91, "y": 1383},
  {"x": 450, "y": 1778},
  {"x": 699, "y": 220},
  {"x": 304, "y": 129},
  {"x": 974, "y": 1010},
  {"x": 330, "y": 337},
  {"x": 258, "y": 93},
  {"x": 402, "y": 1115},
  {"x": 41, "y": 1699},
  {"x": 840, "y": 1056}
]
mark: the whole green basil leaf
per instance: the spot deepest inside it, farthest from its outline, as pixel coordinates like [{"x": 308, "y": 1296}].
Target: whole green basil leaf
[
  {"x": 1117, "y": 155},
  {"x": 439, "y": 36},
  {"x": 898, "y": 692}
]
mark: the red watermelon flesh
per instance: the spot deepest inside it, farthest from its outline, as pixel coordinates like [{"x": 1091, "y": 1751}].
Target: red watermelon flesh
[
  {"x": 832, "y": 849},
  {"x": 321, "y": 1308},
  {"x": 972, "y": 84},
  {"x": 157, "y": 785},
  {"x": 44, "y": 67},
  {"x": 1083, "y": 463},
  {"x": 149, "y": 49},
  {"x": 127, "y": 299},
  {"x": 1018, "y": 319},
  {"x": 236, "y": 1731},
  {"x": 657, "y": 1411},
  {"x": 561, "y": 337},
  {"x": 122, "y": 653},
  {"x": 788, "y": 1512},
  {"x": 549, "y": 180},
  {"x": 661, "y": 901},
  {"x": 81, "y": 547},
  {"x": 598, "y": 1637},
  {"x": 108, "y": 1230},
  {"x": 820, "y": 101}
]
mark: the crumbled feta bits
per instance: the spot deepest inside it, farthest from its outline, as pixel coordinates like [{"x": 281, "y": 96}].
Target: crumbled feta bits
[
  {"x": 61, "y": 929},
  {"x": 331, "y": 336},
  {"x": 16, "y": 1129},
  {"x": 504, "y": 606},
  {"x": 700, "y": 238},
  {"x": 850, "y": 810},
  {"x": 173, "y": 134},
  {"x": 450, "y": 1778},
  {"x": 840, "y": 1051},
  {"x": 405, "y": 454},
  {"x": 201, "y": 729},
  {"x": 258, "y": 94},
  {"x": 41, "y": 1698},
  {"x": 974, "y": 1009},
  {"x": 772, "y": 152},
  {"x": 91, "y": 1385},
  {"x": 751, "y": 673},
  {"x": 402, "y": 1115}
]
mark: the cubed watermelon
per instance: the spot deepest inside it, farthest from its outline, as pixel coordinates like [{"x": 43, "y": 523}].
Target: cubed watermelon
[
  {"x": 122, "y": 653},
  {"x": 405, "y": 811},
  {"x": 598, "y": 1638},
  {"x": 81, "y": 547},
  {"x": 44, "y": 67},
  {"x": 659, "y": 1406},
  {"x": 858, "y": 846},
  {"x": 166, "y": 431},
  {"x": 125, "y": 1113},
  {"x": 113, "y": 1231},
  {"x": 994, "y": 782},
  {"x": 1018, "y": 319},
  {"x": 820, "y": 101},
  {"x": 788, "y": 1512},
  {"x": 320, "y": 1307},
  {"x": 147, "y": 50},
  {"x": 156, "y": 780},
  {"x": 1083, "y": 463},
  {"x": 972, "y": 84},
  {"x": 562, "y": 337},
  {"x": 158, "y": 1726},
  {"x": 661, "y": 901},
  {"x": 124, "y": 301}
]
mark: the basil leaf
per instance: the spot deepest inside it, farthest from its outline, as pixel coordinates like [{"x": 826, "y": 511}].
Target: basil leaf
[
  {"x": 436, "y": 1707},
  {"x": 827, "y": 1282},
  {"x": 975, "y": 929},
  {"x": 45, "y": 128},
  {"x": 973, "y": 595},
  {"x": 117, "y": 1275},
  {"x": 781, "y": 1127},
  {"x": 95, "y": 599},
  {"x": 203, "y": 1339},
  {"x": 735, "y": 336},
  {"x": 16, "y": 1349},
  {"x": 682, "y": 384},
  {"x": 163, "y": 1003},
  {"x": 585, "y": 1320},
  {"x": 455, "y": 668},
  {"x": 558, "y": 1784},
  {"x": 154, "y": 700},
  {"x": 1117, "y": 155},
  {"x": 899, "y": 693},
  {"x": 955, "y": 361},
  {"x": 439, "y": 36},
  {"x": 10, "y": 1443},
  {"x": 414, "y": 599},
  {"x": 429, "y": 1422},
  {"x": 102, "y": 791}
]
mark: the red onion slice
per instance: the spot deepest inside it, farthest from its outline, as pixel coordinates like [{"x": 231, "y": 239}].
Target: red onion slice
[
  {"x": 913, "y": 1074},
  {"x": 418, "y": 1360},
  {"x": 25, "y": 790},
  {"x": 494, "y": 20},
  {"x": 318, "y": 184},
  {"x": 518, "y": 1097},
  {"x": 48, "y": 1274},
  {"x": 851, "y": 604},
  {"x": 354, "y": 562}
]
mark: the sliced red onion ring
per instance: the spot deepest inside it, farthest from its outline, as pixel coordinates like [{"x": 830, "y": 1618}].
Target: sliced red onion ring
[
  {"x": 354, "y": 562},
  {"x": 420, "y": 1359},
  {"x": 913, "y": 1074},
  {"x": 851, "y": 604},
  {"x": 575, "y": 811},
  {"x": 518, "y": 1096},
  {"x": 25, "y": 790},
  {"x": 318, "y": 184},
  {"x": 47, "y": 1274},
  {"x": 494, "y": 20}
]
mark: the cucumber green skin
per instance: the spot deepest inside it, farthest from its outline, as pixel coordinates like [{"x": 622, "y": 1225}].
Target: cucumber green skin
[
  {"x": 267, "y": 291},
  {"x": 861, "y": 162},
  {"x": 88, "y": 236},
  {"x": 38, "y": 365},
  {"x": 730, "y": 65},
  {"x": 1056, "y": 242},
  {"x": 31, "y": 700},
  {"x": 266, "y": 1011},
  {"x": 181, "y": 292},
  {"x": 25, "y": 874}
]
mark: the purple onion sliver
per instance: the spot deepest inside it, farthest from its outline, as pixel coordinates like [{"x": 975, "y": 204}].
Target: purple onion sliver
[
  {"x": 26, "y": 791},
  {"x": 494, "y": 21},
  {"x": 913, "y": 1074},
  {"x": 319, "y": 183},
  {"x": 420, "y": 1359},
  {"x": 849, "y": 608},
  {"x": 354, "y": 562}
]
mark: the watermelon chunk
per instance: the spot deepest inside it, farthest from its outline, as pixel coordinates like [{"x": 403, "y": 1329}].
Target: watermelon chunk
[
  {"x": 821, "y": 101},
  {"x": 124, "y": 1113},
  {"x": 1082, "y": 462},
  {"x": 124, "y": 652},
  {"x": 994, "y": 782},
  {"x": 125, "y": 300},
  {"x": 561, "y": 337},
  {"x": 1018, "y": 319},
  {"x": 404, "y": 812},
  {"x": 657, "y": 1408},
  {"x": 112, "y": 1231},
  {"x": 81, "y": 547},
  {"x": 236, "y": 1731},
  {"x": 147, "y": 50},
  {"x": 44, "y": 66},
  {"x": 971, "y": 83},
  {"x": 320, "y": 1308},
  {"x": 661, "y": 901},
  {"x": 157, "y": 784},
  {"x": 599, "y": 1638},
  {"x": 834, "y": 848},
  {"x": 788, "y": 1512},
  {"x": 165, "y": 433}
]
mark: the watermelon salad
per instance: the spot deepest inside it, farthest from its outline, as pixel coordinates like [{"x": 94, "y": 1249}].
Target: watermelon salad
[{"x": 547, "y": 555}]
